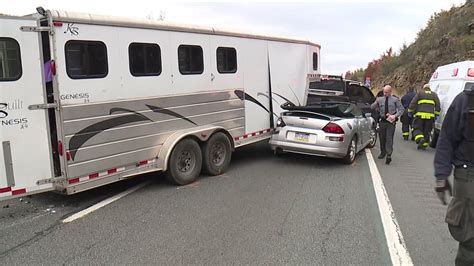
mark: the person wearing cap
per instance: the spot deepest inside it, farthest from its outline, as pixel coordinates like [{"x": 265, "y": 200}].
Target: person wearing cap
[
  {"x": 390, "y": 109},
  {"x": 455, "y": 149},
  {"x": 405, "y": 119},
  {"x": 424, "y": 108}
]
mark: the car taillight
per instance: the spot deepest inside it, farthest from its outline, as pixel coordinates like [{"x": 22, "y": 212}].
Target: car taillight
[
  {"x": 280, "y": 122},
  {"x": 470, "y": 72},
  {"x": 333, "y": 128}
]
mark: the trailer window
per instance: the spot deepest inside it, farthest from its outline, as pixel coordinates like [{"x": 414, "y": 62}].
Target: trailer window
[
  {"x": 10, "y": 60},
  {"x": 86, "y": 59},
  {"x": 226, "y": 60},
  {"x": 144, "y": 59},
  {"x": 315, "y": 61},
  {"x": 190, "y": 59}
]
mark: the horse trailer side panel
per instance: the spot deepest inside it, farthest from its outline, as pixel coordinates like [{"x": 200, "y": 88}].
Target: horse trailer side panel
[{"x": 136, "y": 133}]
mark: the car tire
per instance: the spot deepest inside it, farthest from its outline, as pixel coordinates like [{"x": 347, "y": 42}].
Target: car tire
[
  {"x": 434, "y": 138},
  {"x": 216, "y": 154},
  {"x": 278, "y": 152},
  {"x": 351, "y": 152},
  {"x": 185, "y": 162},
  {"x": 373, "y": 138}
]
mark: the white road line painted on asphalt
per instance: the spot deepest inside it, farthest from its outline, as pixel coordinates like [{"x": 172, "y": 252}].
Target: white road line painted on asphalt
[
  {"x": 396, "y": 244},
  {"x": 103, "y": 203}
]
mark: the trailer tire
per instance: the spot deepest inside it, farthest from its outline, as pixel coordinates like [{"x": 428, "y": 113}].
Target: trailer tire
[
  {"x": 216, "y": 154},
  {"x": 185, "y": 162}
]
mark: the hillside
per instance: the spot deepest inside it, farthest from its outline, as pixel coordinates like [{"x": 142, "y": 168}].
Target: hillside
[{"x": 447, "y": 38}]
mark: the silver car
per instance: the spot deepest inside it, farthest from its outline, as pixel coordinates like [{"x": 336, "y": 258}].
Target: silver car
[{"x": 329, "y": 129}]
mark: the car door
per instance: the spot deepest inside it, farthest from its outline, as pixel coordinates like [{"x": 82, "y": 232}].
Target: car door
[{"x": 363, "y": 125}]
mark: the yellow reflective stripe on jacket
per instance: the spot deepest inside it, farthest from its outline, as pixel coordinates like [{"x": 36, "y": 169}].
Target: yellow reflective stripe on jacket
[
  {"x": 426, "y": 101},
  {"x": 437, "y": 113},
  {"x": 425, "y": 115},
  {"x": 410, "y": 110},
  {"x": 419, "y": 136}
]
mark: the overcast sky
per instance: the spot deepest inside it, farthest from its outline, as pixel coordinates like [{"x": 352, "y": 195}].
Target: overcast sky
[{"x": 351, "y": 33}]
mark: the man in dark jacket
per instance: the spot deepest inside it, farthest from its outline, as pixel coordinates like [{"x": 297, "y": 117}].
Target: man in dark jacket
[
  {"x": 424, "y": 107},
  {"x": 405, "y": 119},
  {"x": 456, "y": 148}
]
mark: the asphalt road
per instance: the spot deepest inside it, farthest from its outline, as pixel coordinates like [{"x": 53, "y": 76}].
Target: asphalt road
[
  {"x": 293, "y": 209},
  {"x": 409, "y": 181}
]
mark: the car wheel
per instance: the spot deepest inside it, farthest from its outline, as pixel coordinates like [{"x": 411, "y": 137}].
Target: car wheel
[
  {"x": 216, "y": 154},
  {"x": 351, "y": 152},
  {"x": 373, "y": 138},
  {"x": 434, "y": 138},
  {"x": 278, "y": 152},
  {"x": 185, "y": 162}
]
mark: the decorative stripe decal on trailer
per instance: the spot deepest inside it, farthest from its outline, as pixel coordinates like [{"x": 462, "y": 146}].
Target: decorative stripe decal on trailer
[
  {"x": 12, "y": 192},
  {"x": 108, "y": 172},
  {"x": 85, "y": 134},
  {"x": 254, "y": 134},
  {"x": 5, "y": 189}
]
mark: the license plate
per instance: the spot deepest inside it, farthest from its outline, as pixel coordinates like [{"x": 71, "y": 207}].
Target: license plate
[{"x": 301, "y": 137}]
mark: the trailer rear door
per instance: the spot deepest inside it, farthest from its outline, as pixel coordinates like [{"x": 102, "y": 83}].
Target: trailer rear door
[{"x": 25, "y": 155}]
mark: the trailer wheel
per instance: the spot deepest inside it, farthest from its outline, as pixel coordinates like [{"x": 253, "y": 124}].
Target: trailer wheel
[
  {"x": 216, "y": 153},
  {"x": 185, "y": 162}
]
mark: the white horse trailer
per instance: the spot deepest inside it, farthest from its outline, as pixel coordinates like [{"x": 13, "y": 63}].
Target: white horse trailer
[{"x": 88, "y": 100}]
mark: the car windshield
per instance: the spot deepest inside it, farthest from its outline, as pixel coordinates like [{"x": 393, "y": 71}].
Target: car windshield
[
  {"x": 343, "y": 110},
  {"x": 328, "y": 85}
]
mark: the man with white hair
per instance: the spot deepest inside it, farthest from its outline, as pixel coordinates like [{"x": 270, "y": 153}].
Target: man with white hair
[
  {"x": 424, "y": 108},
  {"x": 390, "y": 109}
]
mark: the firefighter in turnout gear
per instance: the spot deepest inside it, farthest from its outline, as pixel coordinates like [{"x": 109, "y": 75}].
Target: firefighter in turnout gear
[
  {"x": 424, "y": 108},
  {"x": 456, "y": 148}
]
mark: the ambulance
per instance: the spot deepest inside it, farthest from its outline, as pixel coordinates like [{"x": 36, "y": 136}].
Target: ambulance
[{"x": 448, "y": 81}]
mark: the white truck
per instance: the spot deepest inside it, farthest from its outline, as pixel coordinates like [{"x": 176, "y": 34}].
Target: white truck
[
  {"x": 87, "y": 100},
  {"x": 448, "y": 81}
]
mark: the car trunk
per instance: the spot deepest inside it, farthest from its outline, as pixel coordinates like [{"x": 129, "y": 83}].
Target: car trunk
[
  {"x": 316, "y": 116},
  {"x": 306, "y": 119}
]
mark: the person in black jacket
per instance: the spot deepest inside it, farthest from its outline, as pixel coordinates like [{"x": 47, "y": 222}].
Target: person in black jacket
[
  {"x": 405, "y": 119},
  {"x": 455, "y": 147}
]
